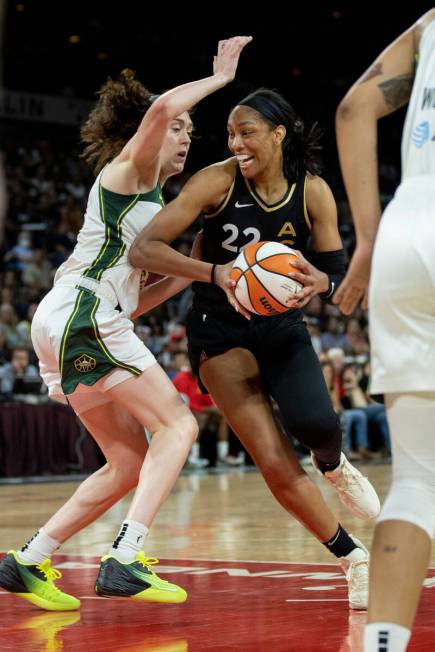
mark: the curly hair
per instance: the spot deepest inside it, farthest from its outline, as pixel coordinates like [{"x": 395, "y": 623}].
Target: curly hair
[
  {"x": 301, "y": 145},
  {"x": 114, "y": 119}
]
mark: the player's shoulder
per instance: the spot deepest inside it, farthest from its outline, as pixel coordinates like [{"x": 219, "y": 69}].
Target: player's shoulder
[
  {"x": 316, "y": 186},
  {"x": 422, "y": 23},
  {"x": 219, "y": 174}
]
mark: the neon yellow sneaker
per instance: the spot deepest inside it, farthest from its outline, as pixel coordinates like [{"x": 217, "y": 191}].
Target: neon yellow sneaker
[
  {"x": 35, "y": 583},
  {"x": 135, "y": 580}
]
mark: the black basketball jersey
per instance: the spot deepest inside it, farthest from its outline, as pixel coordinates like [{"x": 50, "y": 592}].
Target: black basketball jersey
[{"x": 244, "y": 218}]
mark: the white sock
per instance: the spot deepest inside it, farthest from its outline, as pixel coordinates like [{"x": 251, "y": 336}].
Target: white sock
[
  {"x": 386, "y": 637},
  {"x": 38, "y": 548},
  {"x": 129, "y": 541},
  {"x": 222, "y": 449}
]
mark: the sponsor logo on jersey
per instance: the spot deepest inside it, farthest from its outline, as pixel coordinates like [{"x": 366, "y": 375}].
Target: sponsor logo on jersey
[
  {"x": 421, "y": 134},
  {"x": 85, "y": 363}
]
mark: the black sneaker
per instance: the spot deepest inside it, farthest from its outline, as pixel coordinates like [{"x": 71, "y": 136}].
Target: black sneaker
[{"x": 135, "y": 580}]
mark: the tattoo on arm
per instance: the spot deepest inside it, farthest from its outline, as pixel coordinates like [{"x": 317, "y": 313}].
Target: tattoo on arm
[
  {"x": 397, "y": 91},
  {"x": 389, "y": 548}
]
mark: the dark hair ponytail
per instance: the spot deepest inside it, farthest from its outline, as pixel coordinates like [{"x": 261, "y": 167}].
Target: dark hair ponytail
[{"x": 300, "y": 147}]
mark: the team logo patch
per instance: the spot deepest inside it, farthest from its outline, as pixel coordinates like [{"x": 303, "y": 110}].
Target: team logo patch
[
  {"x": 421, "y": 134},
  {"x": 85, "y": 363}
]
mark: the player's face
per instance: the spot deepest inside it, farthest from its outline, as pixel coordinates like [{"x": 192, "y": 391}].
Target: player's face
[
  {"x": 176, "y": 145},
  {"x": 252, "y": 140}
]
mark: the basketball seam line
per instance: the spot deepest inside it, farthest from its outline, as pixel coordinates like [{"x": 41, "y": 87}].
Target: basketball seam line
[{"x": 265, "y": 289}]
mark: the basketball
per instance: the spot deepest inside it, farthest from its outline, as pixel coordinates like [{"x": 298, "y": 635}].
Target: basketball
[{"x": 261, "y": 275}]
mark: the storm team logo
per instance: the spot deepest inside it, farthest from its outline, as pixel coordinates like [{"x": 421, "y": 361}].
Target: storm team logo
[{"x": 85, "y": 363}]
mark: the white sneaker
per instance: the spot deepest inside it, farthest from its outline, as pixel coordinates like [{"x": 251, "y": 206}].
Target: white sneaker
[
  {"x": 357, "y": 576},
  {"x": 353, "y": 488},
  {"x": 197, "y": 463}
]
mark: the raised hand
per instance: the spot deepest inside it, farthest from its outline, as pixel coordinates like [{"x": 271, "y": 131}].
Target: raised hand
[{"x": 227, "y": 58}]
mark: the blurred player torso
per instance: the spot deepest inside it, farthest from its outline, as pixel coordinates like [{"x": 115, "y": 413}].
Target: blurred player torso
[
  {"x": 100, "y": 257},
  {"x": 418, "y": 140}
]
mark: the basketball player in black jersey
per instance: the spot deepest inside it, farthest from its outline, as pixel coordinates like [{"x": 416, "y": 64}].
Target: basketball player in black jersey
[{"x": 269, "y": 190}]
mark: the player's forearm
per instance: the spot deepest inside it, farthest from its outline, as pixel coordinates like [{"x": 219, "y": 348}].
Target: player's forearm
[
  {"x": 357, "y": 147},
  {"x": 155, "y": 294},
  {"x": 182, "y": 98},
  {"x": 158, "y": 257}
]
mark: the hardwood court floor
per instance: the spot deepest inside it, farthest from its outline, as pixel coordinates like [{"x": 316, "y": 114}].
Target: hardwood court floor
[{"x": 256, "y": 580}]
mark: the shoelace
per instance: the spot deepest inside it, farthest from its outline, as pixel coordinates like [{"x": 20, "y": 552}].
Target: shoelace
[
  {"x": 358, "y": 575},
  {"x": 146, "y": 561},
  {"x": 50, "y": 573},
  {"x": 347, "y": 478}
]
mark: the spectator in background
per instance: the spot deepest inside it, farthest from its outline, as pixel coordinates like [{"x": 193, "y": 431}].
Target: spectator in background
[
  {"x": 39, "y": 272},
  {"x": 357, "y": 341},
  {"x": 24, "y": 326},
  {"x": 200, "y": 404},
  {"x": 333, "y": 335},
  {"x": 8, "y": 325},
  {"x": 21, "y": 254},
  {"x": 355, "y": 398},
  {"x": 15, "y": 374},
  {"x": 353, "y": 421},
  {"x": 207, "y": 414}
]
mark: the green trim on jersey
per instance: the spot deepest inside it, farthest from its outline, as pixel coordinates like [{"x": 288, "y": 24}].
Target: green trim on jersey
[
  {"x": 113, "y": 208},
  {"x": 84, "y": 358}
]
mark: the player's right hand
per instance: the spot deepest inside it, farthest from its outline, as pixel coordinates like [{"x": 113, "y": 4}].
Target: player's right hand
[{"x": 223, "y": 280}]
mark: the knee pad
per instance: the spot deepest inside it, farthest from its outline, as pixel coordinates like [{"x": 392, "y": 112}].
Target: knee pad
[
  {"x": 412, "y": 494},
  {"x": 410, "y": 502}
]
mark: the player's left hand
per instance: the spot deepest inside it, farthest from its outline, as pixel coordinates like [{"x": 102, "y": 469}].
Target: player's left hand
[{"x": 312, "y": 279}]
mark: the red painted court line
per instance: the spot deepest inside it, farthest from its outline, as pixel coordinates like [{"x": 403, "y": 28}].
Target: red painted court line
[{"x": 232, "y": 606}]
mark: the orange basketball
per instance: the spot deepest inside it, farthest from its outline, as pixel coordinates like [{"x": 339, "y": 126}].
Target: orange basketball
[{"x": 262, "y": 282}]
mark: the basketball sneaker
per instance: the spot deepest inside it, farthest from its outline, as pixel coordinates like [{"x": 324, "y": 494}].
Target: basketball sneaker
[
  {"x": 35, "y": 583},
  {"x": 353, "y": 488},
  {"x": 135, "y": 580},
  {"x": 357, "y": 576}
]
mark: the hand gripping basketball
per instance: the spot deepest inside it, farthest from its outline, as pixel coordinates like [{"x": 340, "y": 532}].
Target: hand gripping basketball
[{"x": 261, "y": 273}]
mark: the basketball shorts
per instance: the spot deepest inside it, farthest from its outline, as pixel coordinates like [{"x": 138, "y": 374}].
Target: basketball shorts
[
  {"x": 402, "y": 292},
  {"x": 85, "y": 345},
  {"x": 211, "y": 332}
]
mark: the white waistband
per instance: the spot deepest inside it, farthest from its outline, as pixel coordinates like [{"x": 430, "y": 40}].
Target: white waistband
[{"x": 100, "y": 291}]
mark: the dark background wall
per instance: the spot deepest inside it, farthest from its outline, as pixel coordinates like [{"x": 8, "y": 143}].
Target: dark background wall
[{"x": 311, "y": 52}]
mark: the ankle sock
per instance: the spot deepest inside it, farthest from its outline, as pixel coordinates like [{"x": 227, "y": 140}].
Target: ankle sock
[
  {"x": 342, "y": 545},
  {"x": 41, "y": 546},
  {"x": 130, "y": 541},
  {"x": 386, "y": 637}
]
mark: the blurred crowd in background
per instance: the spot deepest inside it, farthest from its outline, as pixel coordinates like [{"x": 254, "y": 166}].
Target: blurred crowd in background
[{"x": 47, "y": 190}]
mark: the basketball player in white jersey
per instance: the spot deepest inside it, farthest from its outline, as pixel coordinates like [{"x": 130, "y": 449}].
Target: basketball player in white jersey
[
  {"x": 401, "y": 310},
  {"x": 91, "y": 358}
]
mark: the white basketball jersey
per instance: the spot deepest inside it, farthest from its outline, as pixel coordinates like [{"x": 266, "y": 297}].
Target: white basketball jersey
[
  {"x": 112, "y": 221},
  {"x": 418, "y": 140}
]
